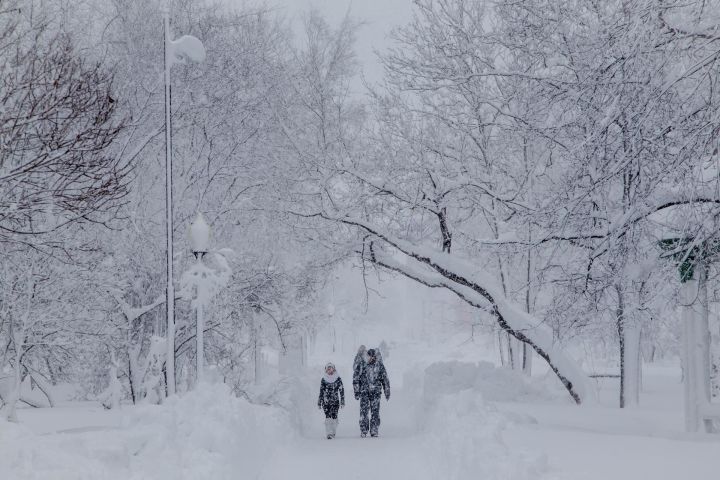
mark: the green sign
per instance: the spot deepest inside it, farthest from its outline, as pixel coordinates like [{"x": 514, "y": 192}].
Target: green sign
[{"x": 688, "y": 254}]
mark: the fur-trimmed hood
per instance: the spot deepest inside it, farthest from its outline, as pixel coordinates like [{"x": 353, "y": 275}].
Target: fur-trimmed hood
[{"x": 331, "y": 378}]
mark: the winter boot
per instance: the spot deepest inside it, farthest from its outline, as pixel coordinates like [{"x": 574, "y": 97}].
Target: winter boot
[{"x": 328, "y": 428}]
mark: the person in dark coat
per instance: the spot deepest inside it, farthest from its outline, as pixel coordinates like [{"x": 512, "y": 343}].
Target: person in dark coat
[
  {"x": 331, "y": 398},
  {"x": 370, "y": 380},
  {"x": 358, "y": 364},
  {"x": 360, "y": 357}
]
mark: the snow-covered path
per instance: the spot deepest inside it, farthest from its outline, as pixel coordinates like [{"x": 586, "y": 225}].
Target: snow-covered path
[
  {"x": 202, "y": 438},
  {"x": 433, "y": 427},
  {"x": 350, "y": 458},
  {"x": 396, "y": 454}
]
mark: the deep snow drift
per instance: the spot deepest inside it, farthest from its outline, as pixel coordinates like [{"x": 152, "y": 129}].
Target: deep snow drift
[{"x": 207, "y": 433}]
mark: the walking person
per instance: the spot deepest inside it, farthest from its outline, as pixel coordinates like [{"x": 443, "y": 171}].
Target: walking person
[
  {"x": 370, "y": 380},
  {"x": 360, "y": 358},
  {"x": 331, "y": 399}
]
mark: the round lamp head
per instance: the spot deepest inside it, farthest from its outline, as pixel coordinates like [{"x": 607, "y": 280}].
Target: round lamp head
[{"x": 200, "y": 235}]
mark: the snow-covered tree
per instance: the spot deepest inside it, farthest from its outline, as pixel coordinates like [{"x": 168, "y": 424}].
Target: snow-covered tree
[{"x": 58, "y": 123}]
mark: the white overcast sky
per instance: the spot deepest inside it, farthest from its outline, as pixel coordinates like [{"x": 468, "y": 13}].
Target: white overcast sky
[{"x": 379, "y": 16}]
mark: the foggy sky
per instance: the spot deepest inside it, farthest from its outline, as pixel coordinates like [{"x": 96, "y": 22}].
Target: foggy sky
[{"x": 379, "y": 17}]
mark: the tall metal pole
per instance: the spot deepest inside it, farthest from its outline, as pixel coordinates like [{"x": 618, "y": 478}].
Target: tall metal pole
[
  {"x": 200, "y": 325},
  {"x": 170, "y": 289},
  {"x": 200, "y": 342}
]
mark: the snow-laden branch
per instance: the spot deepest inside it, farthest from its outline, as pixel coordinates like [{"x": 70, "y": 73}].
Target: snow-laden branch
[
  {"x": 451, "y": 272},
  {"x": 615, "y": 227},
  {"x": 131, "y": 313}
]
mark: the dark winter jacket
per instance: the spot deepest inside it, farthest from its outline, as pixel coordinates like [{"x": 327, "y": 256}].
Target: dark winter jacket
[
  {"x": 358, "y": 366},
  {"x": 359, "y": 358},
  {"x": 331, "y": 393},
  {"x": 371, "y": 379}
]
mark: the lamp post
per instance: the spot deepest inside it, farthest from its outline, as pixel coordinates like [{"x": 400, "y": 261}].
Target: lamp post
[
  {"x": 200, "y": 242},
  {"x": 200, "y": 283},
  {"x": 181, "y": 50}
]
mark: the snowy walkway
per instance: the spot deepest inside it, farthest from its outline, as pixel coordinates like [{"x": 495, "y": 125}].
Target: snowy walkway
[
  {"x": 396, "y": 454},
  {"x": 211, "y": 436},
  {"x": 350, "y": 458}
]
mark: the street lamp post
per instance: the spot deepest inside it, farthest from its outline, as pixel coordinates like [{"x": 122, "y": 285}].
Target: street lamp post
[
  {"x": 200, "y": 243},
  {"x": 200, "y": 283},
  {"x": 181, "y": 50}
]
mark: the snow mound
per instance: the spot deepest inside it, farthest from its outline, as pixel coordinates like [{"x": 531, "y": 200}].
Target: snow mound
[
  {"x": 495, "y": 384},
  {"x": 27, "y": 456},
  {"x": 463, "y": 433},
  {"x": 464, "y": 441},
  {"x": 295, "y": 394},
  {"x": 207, "y": 433}
]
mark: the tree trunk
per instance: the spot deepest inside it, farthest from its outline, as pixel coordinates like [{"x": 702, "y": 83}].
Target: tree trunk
[
  {"x": 514, "y": 352},
  {"x": 445, "y": 230},
  {"x": 526, "y": 351},
  {"x": 502, "y": 346},
  {"x": 9, "y": 407},
  {"x": 630, "y": 365},
  {"x": 633, "y": 364},
  {"x": 527, "y": 359},
  {"x": 45, "y": 387}
]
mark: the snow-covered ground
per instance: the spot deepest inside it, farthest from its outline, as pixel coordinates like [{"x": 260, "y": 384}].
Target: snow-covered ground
[
  {"x": 602, "y": 441},
  {"x": 459, "y": 434},
  {"x": 453, "y": 415}
]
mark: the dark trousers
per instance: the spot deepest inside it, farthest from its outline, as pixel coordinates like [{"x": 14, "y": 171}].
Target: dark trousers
[
  {"x": 369, "y": 403},
  {"x": 331, "y": 410}
]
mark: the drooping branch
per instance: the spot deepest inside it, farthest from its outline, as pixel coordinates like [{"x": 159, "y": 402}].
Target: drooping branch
[
  {"x": 449, "y": 272},
  {"x": 469, "y": 295}
]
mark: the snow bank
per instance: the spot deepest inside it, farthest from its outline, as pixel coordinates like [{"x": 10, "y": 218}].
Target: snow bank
[
  {"x": 463, "y": 433},
  {"x": 208, "y": 433},
  {"x": 296, "y": 394},
  {"x": 495, "y": 384}
]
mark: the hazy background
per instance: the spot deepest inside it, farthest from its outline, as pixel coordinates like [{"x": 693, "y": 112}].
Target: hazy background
[{"x": 378, "y": 16}]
